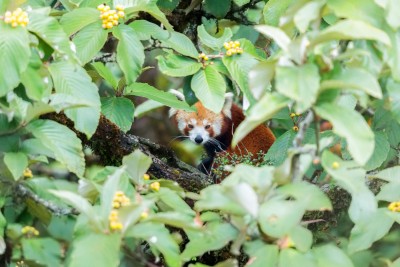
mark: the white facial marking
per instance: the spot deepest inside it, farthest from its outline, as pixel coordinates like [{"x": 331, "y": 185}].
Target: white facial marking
[
  {"x": 205, "y": 122},
  {"x": 199, "y": 130},
  {"x": 217, "y": 127},
  {"x": 193, "y": 121},
  {"x": 181, "y": 125}
]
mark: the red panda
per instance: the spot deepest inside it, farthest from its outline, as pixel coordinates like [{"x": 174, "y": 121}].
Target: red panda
[{"x": 215, "y": 130}]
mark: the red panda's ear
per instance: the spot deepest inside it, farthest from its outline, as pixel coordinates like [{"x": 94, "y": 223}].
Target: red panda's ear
[
  {"x": 226, "y": 110},
  {"x": 178, "y": 95}
]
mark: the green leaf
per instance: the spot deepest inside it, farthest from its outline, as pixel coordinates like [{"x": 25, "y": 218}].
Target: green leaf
[
  {"x": 181, "y": 44},
  {"x": 66, "y": 147},
  {"x": 393, "y": 89},
  {"x": 261, "y": 254},
  {"x": 15, "y": 51},
  {"x": 36, "y": 79},
  {"x": 146, "y": 107},
  {"x": 211, "y": 41},
  {"x": 177, "y": 66},
  {"x": 119, "y": 110},
  {"x": 263, "y": 110},
  {"x": 363, "y": 235},
  {"x": 309, "y": 194},
  {"x": 85, "y": 250},
  {"x": 345, "y": 173},
  {"x": 239, "y": 67},
  {"x": 302, "y": 238},
  {"x": 175, "y": 219},
  {"x": 145, "y": 30},
  {"x": 365, "y": 10},
  {"x": 43, "y": 251},
  {"x": 89, "y": 41},
  {"x": 174, "y": 201},
  {"x": 359, "y": 137},
  {"x": 217, "y": 8},
  {"x": 307, "y": 13},
  {"x": 16, "y": 162},
  {"x": 292, "y": 258},
  {"x": 48, "y": 29},
  {"x": 279, "y": 36},
  {"x": 209, "y": 87},
  {"x": 274, "y": 10},
  {"x": 79, "y": 18},
  {"x": 300, "y": 83},
  {"x": 390, "y": 7},
  {"x": 130, "y": 52},
  {"x": 73, "y": 80},
  {"x": 149, "y": 6},
  {"x": 390, "y": 174},
  {"x": 148, "y": 91},
  {"x": 108, "y": 190},
  {"x": 241, "y": 2},
  {"x": 105, "y": 73},
  {"x": 159, "y": 237},
  {"x": 354, "y": 78},
  {"x": 331, "y": 256},
  {"x": 278, "y": 152},
  {"x": 216, "y": 236},
  {"x": 137, "y": 164},
  {"x": 351, "y": 30},
  {"x": 278, "y": 218},
  {"x": 380, "y": 153}
]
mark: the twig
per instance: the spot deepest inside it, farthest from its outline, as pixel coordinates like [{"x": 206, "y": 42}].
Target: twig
[
  {"x": 303, "y": 126},
  {"x": 25, "y": 193},
  {"x": 106, "y": 57}
]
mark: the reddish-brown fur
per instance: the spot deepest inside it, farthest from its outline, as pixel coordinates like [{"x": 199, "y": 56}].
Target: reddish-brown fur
[{"x": 260, "y": 139}]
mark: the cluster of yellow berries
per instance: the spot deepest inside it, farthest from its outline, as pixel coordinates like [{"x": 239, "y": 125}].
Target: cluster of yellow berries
[
  {"x": 203, "y": 57},
  {"x": 28, "y": 173},
  {"x": 17, "y": 17},
  {"x": 394, "y": 206},
  {"x": 115, "y": 224},
  {"x": 155, "y": 186},
  {"x": 292, "y": 115},
  {"x": 232, "y": 48},
  {"x": 110, "y": 16},
  {"x": 120, "y": 200},
  {"x": 29, "y": 231}
]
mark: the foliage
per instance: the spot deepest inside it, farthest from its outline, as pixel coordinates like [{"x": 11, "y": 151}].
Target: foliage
[{"x": 305, "y": 63}]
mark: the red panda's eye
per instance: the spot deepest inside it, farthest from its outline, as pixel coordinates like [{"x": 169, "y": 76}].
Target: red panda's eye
[
  {"x": 207, "y": 126},
  {"x": 190, "y": 126}
]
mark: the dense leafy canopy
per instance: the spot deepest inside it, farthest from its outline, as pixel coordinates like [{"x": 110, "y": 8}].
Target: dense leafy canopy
[{"x": 298, "y": 64}]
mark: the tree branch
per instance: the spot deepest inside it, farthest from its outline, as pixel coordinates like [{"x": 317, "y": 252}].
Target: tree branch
[
  {"x": 23, "y": 192},
  {"x": 111, "y": 145}
]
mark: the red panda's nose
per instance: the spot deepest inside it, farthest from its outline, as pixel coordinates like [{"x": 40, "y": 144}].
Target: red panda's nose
[{"x": 198, "y": 139}]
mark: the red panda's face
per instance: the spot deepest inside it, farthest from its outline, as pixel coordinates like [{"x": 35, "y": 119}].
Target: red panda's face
[
  {"x": 199, "y": 126},
  {"x": 203, "y": 125}
]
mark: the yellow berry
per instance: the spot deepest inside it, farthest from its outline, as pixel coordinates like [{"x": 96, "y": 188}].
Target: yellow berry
[
  {"x": 155, "y": 186},
  {"x": 292, "y": 115},
  {"x": 239, "y": 50},
  {"x": 115, "y": 22},
  {"x": 100, "y": 7},
  {"x": 229, "y": 53},
  {"x": 146, "y": 177},
  {"x": 295, "y": 128},
  {"x": 106, "y": 8},
  {"x": 144, "y": 215},
  {"x": 116, "y": 205},
  {"x": 104, "y": 26},
  {"x": 28, "y": 173},
  {"x": 226, "y": 46},
  {"x": 14, "y": 24},
  {"x": 121, "y": 14},
  {"x": 335, "y": 165},
  {"x": 237, "y": 44},
  {"x": 205, "y": 58},
  {"x": 119, "y": 7},
  {"x": 109, "y": 25}
]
